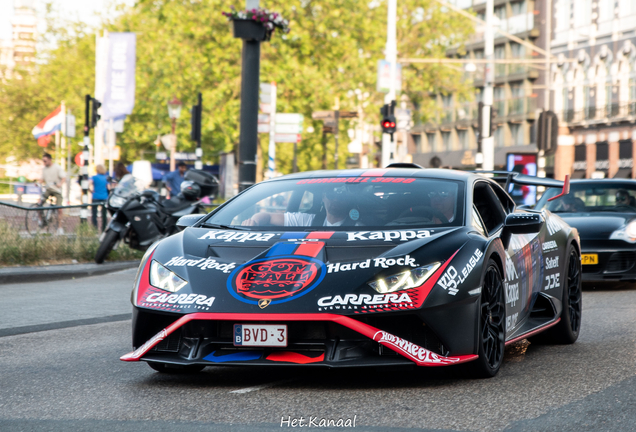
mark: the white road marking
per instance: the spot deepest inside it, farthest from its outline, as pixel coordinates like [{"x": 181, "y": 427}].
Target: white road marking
[{"x": 260, "y": 387}]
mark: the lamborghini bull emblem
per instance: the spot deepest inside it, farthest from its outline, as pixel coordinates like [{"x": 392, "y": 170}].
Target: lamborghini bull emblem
[{"x": 276, "y": 279}]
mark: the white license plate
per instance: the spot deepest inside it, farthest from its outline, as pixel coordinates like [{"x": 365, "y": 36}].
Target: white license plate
[{"x": 265, "y": 335}]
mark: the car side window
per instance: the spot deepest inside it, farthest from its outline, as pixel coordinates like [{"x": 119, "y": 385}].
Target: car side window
[
  {"x": 505, "y": 200},
  {"x": 477, "y": 223},
  {"x": 488, "y": 206}
]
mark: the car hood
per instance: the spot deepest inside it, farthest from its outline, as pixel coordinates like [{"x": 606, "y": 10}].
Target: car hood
[
  {"x": 293, "y": 271},
  {"x": 597, "y": 226}
]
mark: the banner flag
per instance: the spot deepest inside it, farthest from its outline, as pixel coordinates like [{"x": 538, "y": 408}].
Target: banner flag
[
  {"x": 119, "y": 98},
  {"x": 50, "y": 124}
]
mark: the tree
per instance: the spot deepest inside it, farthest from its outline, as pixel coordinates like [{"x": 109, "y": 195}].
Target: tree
[{"x": 186, "y": 46}]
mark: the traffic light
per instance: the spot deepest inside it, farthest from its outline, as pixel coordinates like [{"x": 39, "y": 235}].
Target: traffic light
[
  {"x": 94, "y": 113},
  {"x": 388, "y": 122},
  {"x": 195, "y": 123}
]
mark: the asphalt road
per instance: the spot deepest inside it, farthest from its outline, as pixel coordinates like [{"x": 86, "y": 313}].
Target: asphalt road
[{"x": 60, "y": 344}]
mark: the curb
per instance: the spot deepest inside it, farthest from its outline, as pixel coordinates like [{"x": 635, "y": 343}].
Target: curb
[{"x": 13, "y": 275}]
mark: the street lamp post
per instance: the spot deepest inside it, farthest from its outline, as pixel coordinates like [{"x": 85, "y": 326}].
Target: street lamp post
[{"x": 174, "y": 111}]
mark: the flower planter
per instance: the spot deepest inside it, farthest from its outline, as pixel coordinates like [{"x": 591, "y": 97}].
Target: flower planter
[{"x": 250, "y": 30}]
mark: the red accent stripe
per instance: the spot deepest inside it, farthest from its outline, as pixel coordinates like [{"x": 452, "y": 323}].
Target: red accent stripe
[
  {"x": 292, "y": 357},
  {"x": 427, "y": 287},
  {"x": 533, "y": 332},
  {"x": 309, "y": 249},
  {"x": 374, "y": 173},
  {"x": 320, "y": 235},
  {"x": 363, "y": 329}
]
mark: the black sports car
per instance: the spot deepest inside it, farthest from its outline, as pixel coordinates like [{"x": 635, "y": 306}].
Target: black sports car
[
  {"x": 604, "y": 213},
  {"x": 359, "y": 268}
]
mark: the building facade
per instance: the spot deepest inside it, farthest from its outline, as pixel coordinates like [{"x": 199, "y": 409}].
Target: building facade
[
  {"x": 19, "y": 51},
  {"x": 594, "y": 87},
  {"x": 450, "y": 138}
]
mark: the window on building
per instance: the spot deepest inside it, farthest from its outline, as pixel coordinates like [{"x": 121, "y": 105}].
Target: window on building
[
  {"x": 432, "y": 144},
  {"x": 417, "y": 141},
  {"x": 606, "y": 10},
  {"x": 582, "y": 13},
  {"x": 516, "y": 134},
  {"x": 518, "y": 7},
  {"x": 462, "y": 137},
  {"x": 446, "y": 141},
  {"x": 499, "y": 136},
  {"x": 500, "y": 12}
]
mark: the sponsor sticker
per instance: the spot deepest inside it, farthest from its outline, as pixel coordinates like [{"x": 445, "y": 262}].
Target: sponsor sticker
[
  {"x": 549, "y": 245},
  {"x": 352, "y": 301},
  {"x": 511, "y": 270},
  {"x": 387, "y": 235},
  {"x": 374, "y": 262},
  {"x": 511, "y": 321},
  {"x": 239, "y": 237},
  {"x": 554, "y": 225},
  {"x": 552, "y": 281},
  {"x": 451, "y": 279},
  {"x": 156, "y": 299},
  {"x": 411, "y": 350},
  {"x": 357, "y": 180},
  {"x": 202, "y": 263},
  {"x": 512, "y": 293},
  {"x": 279, "y": 279},
  {"x": 551, "y": 263}
]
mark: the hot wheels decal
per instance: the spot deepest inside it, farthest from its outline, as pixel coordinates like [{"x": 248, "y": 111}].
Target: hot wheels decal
[
  {"x": 387, "y": 235},
  {"x": 452, "y": 278},
  {"x": 411, "y": 350},
  {"x": 202, "y": 263},
  {"x": 279, "y": 279}
]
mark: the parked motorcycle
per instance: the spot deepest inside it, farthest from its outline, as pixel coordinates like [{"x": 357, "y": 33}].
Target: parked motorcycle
[{"x": 141, "y": 217}]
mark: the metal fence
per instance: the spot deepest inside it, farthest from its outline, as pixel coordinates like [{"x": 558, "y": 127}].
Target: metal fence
[{"x": 56, "y": 232}]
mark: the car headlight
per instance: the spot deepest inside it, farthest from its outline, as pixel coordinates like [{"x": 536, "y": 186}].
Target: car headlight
[
  {"x": 116, "y": 201},
  {"x": 627, "y": 233},
  {"x": 162, "y": 278},
  {"x": 408, "y": 279}
]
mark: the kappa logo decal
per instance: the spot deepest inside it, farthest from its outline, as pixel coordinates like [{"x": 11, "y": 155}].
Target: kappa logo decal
[{"x": 275, "y": 280}]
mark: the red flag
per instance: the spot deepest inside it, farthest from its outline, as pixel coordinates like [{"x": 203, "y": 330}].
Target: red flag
[{"x": 44, "y": 140}]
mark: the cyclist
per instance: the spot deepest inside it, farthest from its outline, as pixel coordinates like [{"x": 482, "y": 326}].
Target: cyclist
[{"x": 52, "y": 178}]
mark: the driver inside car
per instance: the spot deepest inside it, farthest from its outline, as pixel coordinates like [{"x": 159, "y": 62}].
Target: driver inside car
[
  {"x": 443, "y": 200},
  {"x": 337, "y": 212},
  {"x": 623, "y": 198}
]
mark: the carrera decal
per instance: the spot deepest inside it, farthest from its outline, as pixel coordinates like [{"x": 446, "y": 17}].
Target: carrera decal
[
  {"x": 279, "y": 279},
  {"x": 411, "y": 350},
  {"x": 240, "y": 236},
  {"x": 387, "y": 235},
  {"x": 377, "y": 263},
  {"x": 361, "y": 179},
  {"x": 352, "y": 301},
  {"x": 238, "y": 356},
  {"x": 169, "y": 302},
  {"x": 202, "y": 263},
  {"x": 293, "y": 357},
  {"x": 452, "y": 278}
]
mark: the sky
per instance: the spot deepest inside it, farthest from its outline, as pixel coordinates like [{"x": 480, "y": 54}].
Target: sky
[{"x": 73, "y": 9}]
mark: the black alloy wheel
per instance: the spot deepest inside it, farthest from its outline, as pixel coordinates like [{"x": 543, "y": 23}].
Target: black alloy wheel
[{"x": 491, "y": 325}]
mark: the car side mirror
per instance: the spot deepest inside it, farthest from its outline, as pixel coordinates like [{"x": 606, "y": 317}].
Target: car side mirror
[
  {"x": 188, "y": 220},
  {"x": 521, "y": 223}
]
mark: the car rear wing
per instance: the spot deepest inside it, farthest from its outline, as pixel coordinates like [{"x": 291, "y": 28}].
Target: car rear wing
[{"x": 504, "y": 178}]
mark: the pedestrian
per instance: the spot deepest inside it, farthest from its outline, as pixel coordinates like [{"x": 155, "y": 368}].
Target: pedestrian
[
  {"x": 120, "y": 172},
  {"x": 99, "y": 187},
  {"x": 52, "y": 179},
  {"x": 173, "y": 179}
]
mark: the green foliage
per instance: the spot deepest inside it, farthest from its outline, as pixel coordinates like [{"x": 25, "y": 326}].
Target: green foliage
[
  {"x": 187, "y": 46},
  {"x": 17, "y": 249}
]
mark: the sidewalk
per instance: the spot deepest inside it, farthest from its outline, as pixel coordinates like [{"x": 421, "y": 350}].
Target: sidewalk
[{"x": 12, "y": 275}]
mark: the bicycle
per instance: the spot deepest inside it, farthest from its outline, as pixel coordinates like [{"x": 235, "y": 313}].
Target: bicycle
[{"x": 44, "y": 219}]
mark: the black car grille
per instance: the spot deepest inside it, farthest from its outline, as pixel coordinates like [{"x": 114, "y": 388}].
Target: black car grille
[{"x": 620, "y": 262}]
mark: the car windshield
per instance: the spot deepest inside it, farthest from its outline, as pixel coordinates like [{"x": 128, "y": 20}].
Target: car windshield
[
  {"x": 591, "y": 197},
  {"x": 340, "y": 202}
]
